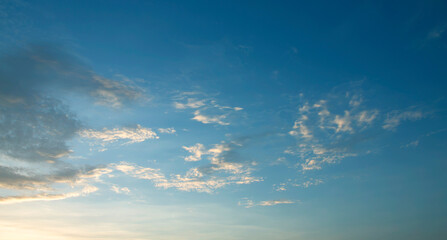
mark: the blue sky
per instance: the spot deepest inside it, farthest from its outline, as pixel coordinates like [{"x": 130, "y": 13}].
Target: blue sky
[{"x": 223, "y": 120}]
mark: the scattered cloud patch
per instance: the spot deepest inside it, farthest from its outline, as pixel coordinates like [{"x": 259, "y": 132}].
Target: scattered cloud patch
[
  {"x": 324, "y": 129},
  {"x": 280, "y": 187},
  {"x": 191, "y": 181},
  {"x": 219, "y": 171},
  {"x": 328, "y": 130}
]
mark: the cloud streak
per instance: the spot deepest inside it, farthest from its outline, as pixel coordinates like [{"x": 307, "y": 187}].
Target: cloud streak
[
  {"x": 395, "y": 118},
  {"x": 48, "y": 197},
  {"x": 247, "y": 203},
  {"x": 128, "y": 135}
]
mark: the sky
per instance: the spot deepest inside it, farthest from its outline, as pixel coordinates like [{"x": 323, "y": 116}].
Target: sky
[{"x": 189, "y": 120}]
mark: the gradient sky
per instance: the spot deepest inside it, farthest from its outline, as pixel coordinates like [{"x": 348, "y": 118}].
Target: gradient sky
[{"x": 190, "y": 120}]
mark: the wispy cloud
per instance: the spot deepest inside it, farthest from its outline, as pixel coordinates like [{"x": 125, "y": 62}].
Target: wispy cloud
[
  {"x": 37, "y": 67},
  {"x": 167, "y": 130},
  {"x": 247, "y": 203},
  {"x": 437, "y": 32},
  {"x": 190, "y": 103},
  {"x": 206, "y": 110},
  {"x": 308, "y": 183},
  {"x": 367, "y": 117},
  {"x": 280, "y": 187},
  {"x": 414, "y": 143},
  {"x": 198, "y": 116},
  {"x": 395, "y": 118},
  {"x": 48, "y": 197},
  {"x": 127, "y": 135},
  {"x": 343, "y": 123},
  {"x": 114, "y": 93},
  {"x": 297, "y": 183}
]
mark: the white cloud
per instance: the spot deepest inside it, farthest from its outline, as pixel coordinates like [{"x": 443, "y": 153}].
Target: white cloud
[
  {"x": 209, "y": 119},
  {"x": 343, "y": 123},
  {"x": 197, "y": 151}
]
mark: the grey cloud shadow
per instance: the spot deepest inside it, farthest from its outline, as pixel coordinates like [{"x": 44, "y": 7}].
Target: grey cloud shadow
[{"x": 35, "y": 126}]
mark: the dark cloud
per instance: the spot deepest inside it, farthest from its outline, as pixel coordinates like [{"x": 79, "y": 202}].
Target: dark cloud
[
  {"x": 25, "y": 178},
  {"x": 12, "y": 178},
  {"x": 38, "y": 68},
  {"x": 34, "y": 125},
  {"x": 36, "y": 129}
]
